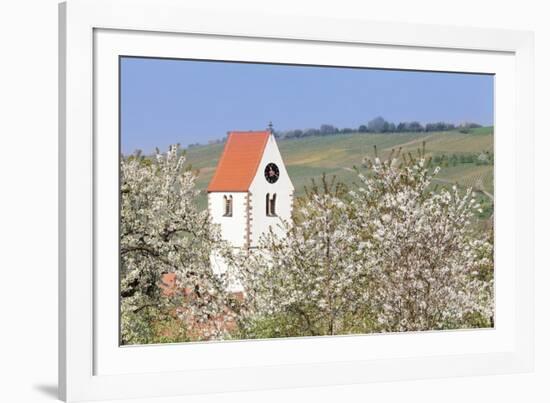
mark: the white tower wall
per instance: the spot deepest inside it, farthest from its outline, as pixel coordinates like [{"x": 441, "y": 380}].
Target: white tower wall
[
  {"x": 233, "y": 228},
  {"x": 259, "y": 187},
  {"x": 249, "y": 220}
]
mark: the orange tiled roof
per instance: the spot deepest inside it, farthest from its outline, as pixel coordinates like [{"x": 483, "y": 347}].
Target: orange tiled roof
[{"x": 239, "y": 161}]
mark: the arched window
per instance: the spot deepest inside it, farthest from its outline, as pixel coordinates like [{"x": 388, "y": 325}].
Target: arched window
[
  {"x": 270, "y": 210},
  {"x": 228, "y": 206},
  {"x": 272, "y": 205}
]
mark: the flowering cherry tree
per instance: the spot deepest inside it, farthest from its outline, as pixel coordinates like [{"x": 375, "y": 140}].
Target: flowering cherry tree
[
  {"x": 428, "y": 268},
  {"x": 394, "y": 254},
  {"x": 162, "y": 232},
  {"x": 310, "y": 281}
]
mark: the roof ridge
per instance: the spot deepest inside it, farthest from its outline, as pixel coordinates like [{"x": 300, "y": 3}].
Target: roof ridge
[{"x": 260, "y": 155}]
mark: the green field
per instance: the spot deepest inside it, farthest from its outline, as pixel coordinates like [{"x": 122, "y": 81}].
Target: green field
[{"x": 310, "y": 157}]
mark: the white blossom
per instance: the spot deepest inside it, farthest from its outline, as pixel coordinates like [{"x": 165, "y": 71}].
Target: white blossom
[
  {"x": 162, "y": 231},
  {"x": 425, "y": 251}
]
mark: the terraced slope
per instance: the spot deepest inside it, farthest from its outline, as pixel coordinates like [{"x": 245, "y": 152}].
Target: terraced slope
[{"x": 309, "y": 158}]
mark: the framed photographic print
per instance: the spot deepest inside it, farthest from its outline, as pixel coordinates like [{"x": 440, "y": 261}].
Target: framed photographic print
[{"x": 246, "y": 207}]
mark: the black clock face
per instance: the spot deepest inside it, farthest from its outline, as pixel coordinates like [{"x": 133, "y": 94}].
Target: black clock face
[{"x": 271, "y": 173}]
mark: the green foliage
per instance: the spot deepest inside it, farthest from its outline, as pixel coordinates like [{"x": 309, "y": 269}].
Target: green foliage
[
  {"x": 152, "y": 325},
  {"x": 286, "y": 324}
]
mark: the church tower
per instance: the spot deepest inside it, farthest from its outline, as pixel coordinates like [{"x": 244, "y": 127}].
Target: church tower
[{"x": 250, "y": 190}]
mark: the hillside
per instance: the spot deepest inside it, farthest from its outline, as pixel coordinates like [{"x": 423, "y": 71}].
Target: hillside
[{"x": 310, "y": 157}]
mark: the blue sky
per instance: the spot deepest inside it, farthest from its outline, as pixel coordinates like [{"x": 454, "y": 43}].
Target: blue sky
[{"x": 178, "y": 101}]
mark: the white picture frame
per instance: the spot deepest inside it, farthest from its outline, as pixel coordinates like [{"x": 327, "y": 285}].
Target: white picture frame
[{"x": 94, "y": 33}]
